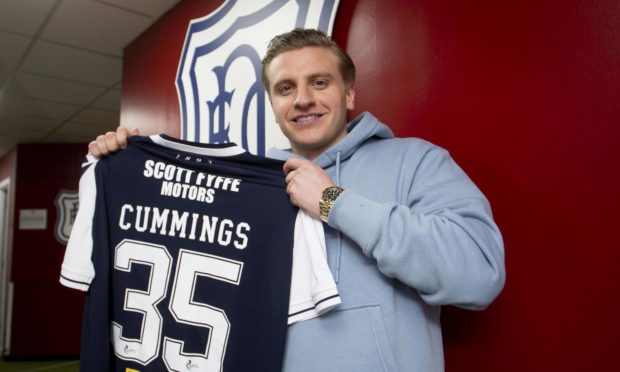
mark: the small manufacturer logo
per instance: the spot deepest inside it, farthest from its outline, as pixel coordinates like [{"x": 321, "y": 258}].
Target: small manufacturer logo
[
  {"x": 219, "y": 82},
  {"x": 189, "y": 366},
  {"x": 128, "y": 350},
  {"x": 66, "y": 210}
]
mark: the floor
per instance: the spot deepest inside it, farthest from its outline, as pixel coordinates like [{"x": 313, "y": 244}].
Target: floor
[{"x": 43, "y": 366}]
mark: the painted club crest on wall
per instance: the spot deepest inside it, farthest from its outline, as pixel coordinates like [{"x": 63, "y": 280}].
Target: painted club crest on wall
[
  {"x": 66, "y": 209},
  {"x": 219, "y": 83}
]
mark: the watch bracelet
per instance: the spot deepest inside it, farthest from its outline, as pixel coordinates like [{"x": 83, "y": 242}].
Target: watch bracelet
[{"x": 328, "y": 197}]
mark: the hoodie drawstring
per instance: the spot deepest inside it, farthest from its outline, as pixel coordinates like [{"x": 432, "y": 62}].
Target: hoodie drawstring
[{"x": 339, "y": 234}]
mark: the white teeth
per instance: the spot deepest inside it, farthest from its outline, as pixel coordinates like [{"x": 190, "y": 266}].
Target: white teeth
[{"x": 306, "y": 119}]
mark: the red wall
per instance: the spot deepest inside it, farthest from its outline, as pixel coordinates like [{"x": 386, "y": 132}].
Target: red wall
[
  {"x": 524, "y": 95},
  {"x": 150, "y": 63},
  {"x": 43, "y": 311}
]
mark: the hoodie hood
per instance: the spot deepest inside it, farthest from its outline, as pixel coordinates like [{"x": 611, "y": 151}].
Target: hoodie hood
[{"x": 360, "y": 130}]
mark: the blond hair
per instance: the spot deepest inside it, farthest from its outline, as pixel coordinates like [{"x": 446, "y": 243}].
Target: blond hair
[{"x": 305, "y": 37}]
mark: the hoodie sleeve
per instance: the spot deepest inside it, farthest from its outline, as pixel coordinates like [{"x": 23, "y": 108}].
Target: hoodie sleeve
[{"x": 439, "y": 237}]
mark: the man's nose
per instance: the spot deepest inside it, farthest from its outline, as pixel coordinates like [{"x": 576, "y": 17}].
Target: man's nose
[{"x": 304, "y": 97}]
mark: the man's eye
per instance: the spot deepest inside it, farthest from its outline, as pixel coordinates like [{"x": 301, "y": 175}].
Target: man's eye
[
  {"x": 320, "y": 83},
  {"x": 284, "y": 89}
]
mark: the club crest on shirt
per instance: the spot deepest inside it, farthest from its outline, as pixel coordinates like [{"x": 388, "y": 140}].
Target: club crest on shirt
[
  {"x": 219, "y": 84},
  {"x": 66, "y": 209}
]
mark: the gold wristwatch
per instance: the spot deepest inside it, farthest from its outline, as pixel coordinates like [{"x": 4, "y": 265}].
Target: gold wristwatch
[{"x": 328, "y": 198}]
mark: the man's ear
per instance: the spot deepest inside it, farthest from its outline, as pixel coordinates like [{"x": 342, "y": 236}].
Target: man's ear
[{"x": 350, "y": 97}]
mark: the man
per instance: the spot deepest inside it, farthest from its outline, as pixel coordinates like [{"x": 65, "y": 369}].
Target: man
[{"x": 406, "y": 230}]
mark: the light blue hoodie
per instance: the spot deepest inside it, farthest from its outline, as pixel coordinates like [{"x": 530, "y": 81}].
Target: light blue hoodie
[{"x": 411, "y": 232}]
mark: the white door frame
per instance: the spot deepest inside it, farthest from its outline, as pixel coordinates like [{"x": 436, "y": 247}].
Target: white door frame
[{"x": 5, "y": 286}]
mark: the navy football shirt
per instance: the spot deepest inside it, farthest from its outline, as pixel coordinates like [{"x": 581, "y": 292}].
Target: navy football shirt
[{"x": 189, "y": 251}]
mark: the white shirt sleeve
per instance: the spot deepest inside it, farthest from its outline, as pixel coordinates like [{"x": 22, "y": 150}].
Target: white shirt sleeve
[
  {"x": 313, "y": 290},
  {"x": 77, "y": 270}
]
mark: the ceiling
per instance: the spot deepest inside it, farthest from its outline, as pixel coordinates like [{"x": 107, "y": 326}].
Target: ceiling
[{"x": 61, "y": 66}]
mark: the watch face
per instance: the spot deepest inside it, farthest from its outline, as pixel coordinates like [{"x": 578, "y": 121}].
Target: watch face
[
  {"x": 332, "y": 193},
  {"x": 328, "y": 198}
]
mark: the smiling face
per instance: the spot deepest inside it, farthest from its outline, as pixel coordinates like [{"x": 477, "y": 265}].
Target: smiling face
[{"x": 309, "y": 98}]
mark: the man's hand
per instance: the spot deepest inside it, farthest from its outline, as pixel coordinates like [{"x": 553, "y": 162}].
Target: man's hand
[
  {"x": 305, "y": 184},
  {"x": 110, "y": 142}
]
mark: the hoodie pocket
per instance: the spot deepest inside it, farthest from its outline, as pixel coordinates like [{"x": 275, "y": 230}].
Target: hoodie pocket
[{"x": 348, "y": 340}]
